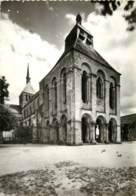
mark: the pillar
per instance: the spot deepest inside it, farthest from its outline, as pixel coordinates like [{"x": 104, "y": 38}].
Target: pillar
[
  {"x": 71, "y": 125},
  {"x": 107, "y": 133},
  {"x": 107, "y": 87},
  {"x": 88, "y": 133},
  {"x": 118, "y": 134},
  {"x": 92, "y": 133},
  {"x": 94, "y": 95},
  {"x": 118, "y": 114}
]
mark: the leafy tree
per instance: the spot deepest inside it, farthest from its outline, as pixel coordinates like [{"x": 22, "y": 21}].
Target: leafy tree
[
  {"x": 3, "y": 89},
  {"x": 23, "y": 134},
  {"x": 8, "y": 120},
  {"x": 108, "y": 7}
]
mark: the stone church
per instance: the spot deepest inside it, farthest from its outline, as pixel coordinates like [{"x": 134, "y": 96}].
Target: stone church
[{"x": 78, "y": 100}]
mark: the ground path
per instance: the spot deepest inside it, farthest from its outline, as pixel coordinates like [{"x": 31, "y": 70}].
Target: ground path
[{"x": 68, "y": 170}]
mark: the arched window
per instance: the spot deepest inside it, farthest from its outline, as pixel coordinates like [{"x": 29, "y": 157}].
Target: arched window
[
  {"x": 99, "y": 88},
  {"x": 54, "y": 84},
  {"x": 64, "y": 85},
  {"x": 47, "y": 97},
  {"x": 84, "y": 87},
  {"x": 112, "y": 96}
]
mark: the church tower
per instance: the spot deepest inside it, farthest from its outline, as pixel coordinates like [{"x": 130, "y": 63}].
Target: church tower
[
  {"x": 79, "y": 38},
  {"x": 27, "y": 92}
]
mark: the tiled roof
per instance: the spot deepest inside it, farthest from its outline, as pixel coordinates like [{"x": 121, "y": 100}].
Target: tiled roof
[
  {"x": 128, "y": 119},
  {"x": 92, "y": 53}
]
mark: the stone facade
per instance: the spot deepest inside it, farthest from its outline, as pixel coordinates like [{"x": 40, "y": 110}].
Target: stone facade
[{"x": 79, "y": 99}]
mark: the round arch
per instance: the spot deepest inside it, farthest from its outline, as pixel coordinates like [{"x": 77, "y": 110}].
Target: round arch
[
  {"x": 63, "y": 70},
  {"x": 85, "y": 127},
  {"x": 86, "y": 67},
  {"x": 101, "y": 74},
  {"x": 100, "y": 130},
  {"x": 112, "y": 130}
]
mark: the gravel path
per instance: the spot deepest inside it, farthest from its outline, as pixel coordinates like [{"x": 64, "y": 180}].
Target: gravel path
[
  {"x": 69, "y": 178},
  {"x": 47, "y": 170}
]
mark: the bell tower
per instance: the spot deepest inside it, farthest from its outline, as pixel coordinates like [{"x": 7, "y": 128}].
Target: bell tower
[
  {"x": 79, "y": 37},
  {"x": 27, "y": 92}
]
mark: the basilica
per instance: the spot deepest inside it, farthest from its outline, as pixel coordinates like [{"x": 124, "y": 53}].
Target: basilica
[{"x": 78, "y": 101}]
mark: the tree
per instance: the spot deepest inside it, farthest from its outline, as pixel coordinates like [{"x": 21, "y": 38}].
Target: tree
[
  {"x": 108, "y": 7},
  {"x": 23, "y": 134},
  {"x": 8, "y": 120},
  {"x": 3, "y": 89}
]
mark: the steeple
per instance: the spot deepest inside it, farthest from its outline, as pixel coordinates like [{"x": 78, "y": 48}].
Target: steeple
[
  {"x": 27, "y": 92},
  {"x": 28, "y": 76}
]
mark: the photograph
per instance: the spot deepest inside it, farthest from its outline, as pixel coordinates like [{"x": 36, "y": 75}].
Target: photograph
[{"x": 67, "y": 98}]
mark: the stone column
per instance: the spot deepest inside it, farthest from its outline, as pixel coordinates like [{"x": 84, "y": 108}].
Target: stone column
[
  {"x": 118, "y": 134},
  {"x": 107, "y": 133},
  {"x": 71, "y": 137},
  {"x": 77, "y": 105},
  {"x": 94, "y": 77},
  {"x": 118, "y": 113},
  {"x": 92, "y": 133},
  {"x": 88, "y": 133},
  {"x": 107, "y": 87},
  {"x": 89, "y": 90}
]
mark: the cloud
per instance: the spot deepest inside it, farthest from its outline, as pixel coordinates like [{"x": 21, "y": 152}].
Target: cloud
[
  {"x": 18, "y": 47},
  {"x": 117, "y": 46},
  {"x": 71, "y": 18}
]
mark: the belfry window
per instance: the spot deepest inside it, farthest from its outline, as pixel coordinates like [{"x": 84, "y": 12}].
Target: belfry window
[
  {"x": 84, "y": 87},
  {"x": 112, "y": 96},
  {"x": 99, "y": 88}
]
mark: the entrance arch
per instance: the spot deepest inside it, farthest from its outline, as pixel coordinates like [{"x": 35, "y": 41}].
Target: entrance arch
[
  {"x": 112, "y": 130},
  {"x": 100, "y": 130},
  {"x": 85, "y": 127}
]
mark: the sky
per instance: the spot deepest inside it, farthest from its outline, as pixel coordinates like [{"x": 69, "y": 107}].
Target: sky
[{"x": 34, "y": 32}]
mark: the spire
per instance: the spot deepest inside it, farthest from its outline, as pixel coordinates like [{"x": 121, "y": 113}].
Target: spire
[
  {"x": 28, "y": 76},
  {"x": 78, "y": 19}
]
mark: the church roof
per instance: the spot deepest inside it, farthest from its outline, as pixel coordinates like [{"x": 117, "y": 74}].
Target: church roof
[
  {"x": 28, "y": 88},
  {"x": 92, "y": 53},
  {"x": 127, "y": 119}
]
